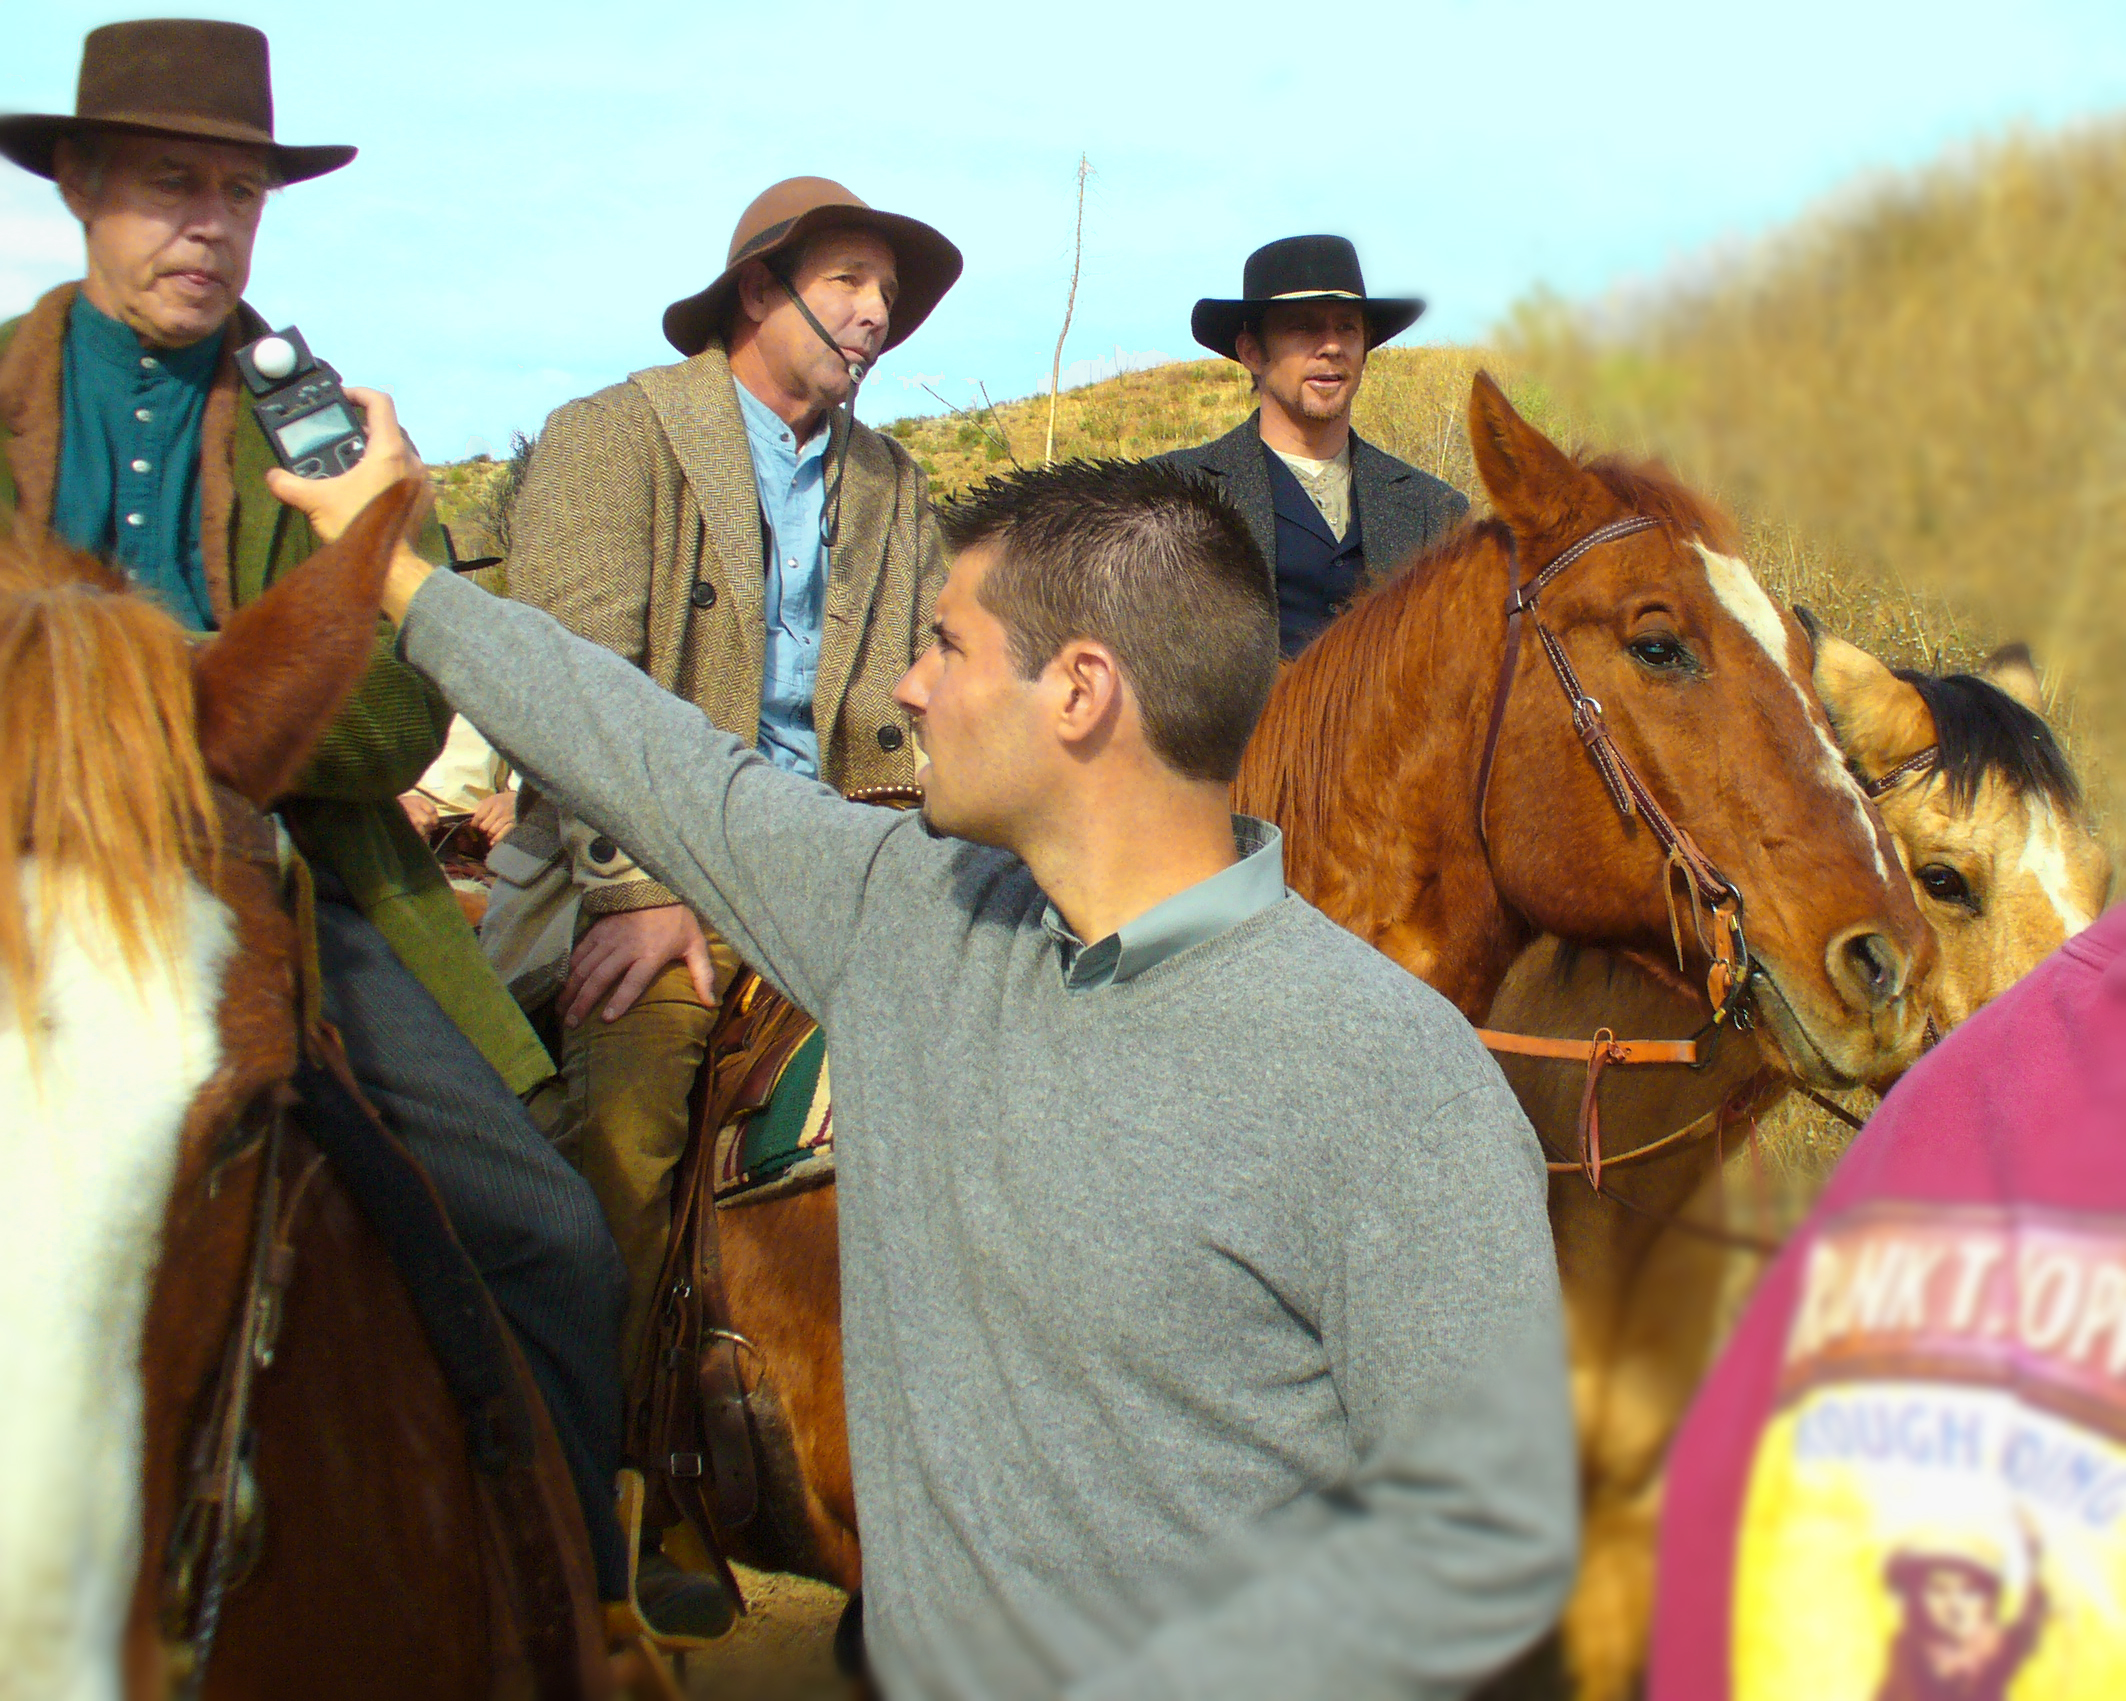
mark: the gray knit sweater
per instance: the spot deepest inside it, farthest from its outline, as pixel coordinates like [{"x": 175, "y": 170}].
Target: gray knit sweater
[{"x": 1202, "y": 1331}]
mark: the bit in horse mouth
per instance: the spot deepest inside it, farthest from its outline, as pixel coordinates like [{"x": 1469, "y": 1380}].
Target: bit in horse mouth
[{"x": 1780, "y": 1020}]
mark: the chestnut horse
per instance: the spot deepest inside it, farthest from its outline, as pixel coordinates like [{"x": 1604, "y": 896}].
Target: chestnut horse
[
  {"x": 151, "y": 984},
  {"x": 1368, "y": 758},
  {"x": 2003, "y": 867}
]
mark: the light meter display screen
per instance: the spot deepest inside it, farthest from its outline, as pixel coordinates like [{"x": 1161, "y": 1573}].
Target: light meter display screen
[{"x": 314, "y": 430}]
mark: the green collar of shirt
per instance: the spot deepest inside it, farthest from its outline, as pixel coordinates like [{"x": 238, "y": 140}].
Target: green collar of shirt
[{"x": 1191, "y": 917}]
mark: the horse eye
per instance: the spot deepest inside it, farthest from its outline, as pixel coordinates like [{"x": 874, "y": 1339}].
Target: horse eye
[
  {"x": 1660, "y": 652},
  {"x": 1943, "y": 882}
]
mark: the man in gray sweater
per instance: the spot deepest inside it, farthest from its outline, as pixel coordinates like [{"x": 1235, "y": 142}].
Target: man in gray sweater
[{"x": 1199, "y": 1311}]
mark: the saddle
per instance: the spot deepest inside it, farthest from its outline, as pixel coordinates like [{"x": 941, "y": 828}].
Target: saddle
[
  {"x": 758, "y": 1127},
  {"x": 320, "y": 1118},
  {"x": 693, "y": 1428}
]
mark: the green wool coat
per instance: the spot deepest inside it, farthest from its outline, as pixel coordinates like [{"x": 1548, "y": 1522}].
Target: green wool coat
[{"x": 343, "y": 813}]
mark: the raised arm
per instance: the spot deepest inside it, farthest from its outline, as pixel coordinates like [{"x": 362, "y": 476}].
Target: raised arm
[
  {"x": 779, "y": 865},
  {"x": 1450, "y": 1546}
]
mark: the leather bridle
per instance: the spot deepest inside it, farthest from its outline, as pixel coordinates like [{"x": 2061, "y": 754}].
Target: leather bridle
[
  {"x": 1711, "y": 893},
  {"x": 1920, "y": 761},
  {"x": 1729, "y": 950}
]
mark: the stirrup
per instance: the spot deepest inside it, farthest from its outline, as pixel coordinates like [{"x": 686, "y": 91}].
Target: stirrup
[{"x": 625, "y": 1621}]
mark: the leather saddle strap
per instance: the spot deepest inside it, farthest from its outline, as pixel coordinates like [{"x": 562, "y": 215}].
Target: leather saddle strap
[{"x": 197, "y": 1567}]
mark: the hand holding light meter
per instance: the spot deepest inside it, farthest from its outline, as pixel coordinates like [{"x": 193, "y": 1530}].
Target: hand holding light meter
[{"x": 315, "y": 430}]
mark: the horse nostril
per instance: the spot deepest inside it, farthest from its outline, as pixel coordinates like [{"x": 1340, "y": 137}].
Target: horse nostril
[{"x": 1868, "y": 968}]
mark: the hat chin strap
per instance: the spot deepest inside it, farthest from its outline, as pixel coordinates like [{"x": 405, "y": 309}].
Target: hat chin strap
[{"x": 830, "y": 518}]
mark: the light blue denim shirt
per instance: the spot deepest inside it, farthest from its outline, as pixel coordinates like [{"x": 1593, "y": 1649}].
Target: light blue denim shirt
[
  {"x": 1202, "y": 912},
  {"x": 792, "y": 496}
]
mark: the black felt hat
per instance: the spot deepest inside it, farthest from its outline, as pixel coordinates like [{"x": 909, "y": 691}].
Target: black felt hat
[
  {"x": 187, "y": 77},
  {"x": 1300, "y": 268}
]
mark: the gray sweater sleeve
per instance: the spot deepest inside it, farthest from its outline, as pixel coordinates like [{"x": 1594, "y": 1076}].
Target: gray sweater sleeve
[
  {"x": 779, "y": 865},
  {"x": 1450, "y": 1545}
]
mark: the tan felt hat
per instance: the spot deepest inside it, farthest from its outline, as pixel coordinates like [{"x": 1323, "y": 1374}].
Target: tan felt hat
[{"x": 781, "y": 218}]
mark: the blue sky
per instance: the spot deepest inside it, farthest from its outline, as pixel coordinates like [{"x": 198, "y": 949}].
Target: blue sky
[{"x": 538, "y": 180}]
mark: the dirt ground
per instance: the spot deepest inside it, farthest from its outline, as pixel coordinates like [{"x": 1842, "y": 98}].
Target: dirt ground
[{"x": 782, "y": 1650}]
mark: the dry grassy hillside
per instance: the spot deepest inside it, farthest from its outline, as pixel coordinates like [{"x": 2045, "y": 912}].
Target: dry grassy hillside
[
  {"x": 1921, "y": 393},
  {"x": 1412, "y": 403}
]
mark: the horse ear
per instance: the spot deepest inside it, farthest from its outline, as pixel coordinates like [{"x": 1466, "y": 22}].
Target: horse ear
[
  {"x": 1532, "y": 483},
  {"x": 270, "y": 684},
  {"x": 1880, "y": 720},
  {"x": 2011, "y": 669}
]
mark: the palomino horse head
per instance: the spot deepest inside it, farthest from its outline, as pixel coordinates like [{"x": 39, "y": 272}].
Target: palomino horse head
[
  {"x": 1985, "y": 810},
  {"x": 147, "y": 985}
]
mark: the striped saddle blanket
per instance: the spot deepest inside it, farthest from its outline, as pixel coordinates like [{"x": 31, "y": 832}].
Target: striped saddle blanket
[{"x": 774, "y": 1113}]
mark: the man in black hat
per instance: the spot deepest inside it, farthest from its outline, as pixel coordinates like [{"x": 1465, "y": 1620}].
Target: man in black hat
[
  {"x": 1327, "y": 509},
  {"x": 124, "y": 429}
]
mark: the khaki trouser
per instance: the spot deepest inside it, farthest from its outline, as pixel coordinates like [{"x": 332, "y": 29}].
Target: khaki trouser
[{"x": 627, "y": 1113}]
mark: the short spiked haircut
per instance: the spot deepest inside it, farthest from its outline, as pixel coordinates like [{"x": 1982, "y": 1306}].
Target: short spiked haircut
[{"x": 1154, "y": 564}]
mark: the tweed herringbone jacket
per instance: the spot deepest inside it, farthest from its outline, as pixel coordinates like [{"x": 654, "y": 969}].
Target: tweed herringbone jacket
[{"x": 639, "y": 528}]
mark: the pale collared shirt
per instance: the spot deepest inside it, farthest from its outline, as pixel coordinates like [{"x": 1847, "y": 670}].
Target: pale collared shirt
[
  {"x": 1328, "y": 483},
  {"x": 792, "y": 484},
  {"x": 1190, "y": 917}
]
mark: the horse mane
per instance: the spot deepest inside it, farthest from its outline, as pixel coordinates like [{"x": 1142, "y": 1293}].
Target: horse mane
[
  {"x": 1293, "y": 769},
  {"x": 100, "y": 771},
  {"x": 1981, "y": 730}
]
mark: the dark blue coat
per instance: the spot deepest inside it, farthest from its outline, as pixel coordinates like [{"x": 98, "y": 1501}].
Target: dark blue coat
[{"x": 1396, "y": 511}]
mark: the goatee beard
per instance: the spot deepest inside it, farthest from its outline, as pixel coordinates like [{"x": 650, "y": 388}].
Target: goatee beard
[{"x": 1311, "y": 407}]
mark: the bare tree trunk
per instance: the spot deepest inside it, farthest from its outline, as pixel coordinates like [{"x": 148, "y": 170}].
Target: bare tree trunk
[{"x": 1070, "y": 306}]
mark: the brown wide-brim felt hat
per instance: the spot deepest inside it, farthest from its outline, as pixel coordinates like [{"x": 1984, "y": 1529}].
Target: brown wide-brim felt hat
[
  {"x": 191, "y": 78},
  {"x": 779, "y": 221}
]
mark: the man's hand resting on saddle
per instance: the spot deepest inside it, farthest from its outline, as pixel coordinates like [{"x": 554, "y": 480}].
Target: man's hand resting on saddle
[
  {"x": 620, "y": 953},
  {"x": 331, "y": 504},
  {"x": 631, "y": 949}
]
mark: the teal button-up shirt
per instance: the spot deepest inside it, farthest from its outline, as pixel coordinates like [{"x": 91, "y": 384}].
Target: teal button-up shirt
[
  {"x": 792, "y": 487},
  {"x": 129, "y": 435},
  {"x": 1191, "y": 917}
]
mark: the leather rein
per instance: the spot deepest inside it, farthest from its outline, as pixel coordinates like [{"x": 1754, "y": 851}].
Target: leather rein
[
  {"x": 215, "y": 1538},
  {"x": 1711, "y": 893}
]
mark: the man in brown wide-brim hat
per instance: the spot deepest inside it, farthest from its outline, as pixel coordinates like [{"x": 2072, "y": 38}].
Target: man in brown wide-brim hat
[
  {"x": 727, "y": 525},
  {"x": 124, "y": 429}
]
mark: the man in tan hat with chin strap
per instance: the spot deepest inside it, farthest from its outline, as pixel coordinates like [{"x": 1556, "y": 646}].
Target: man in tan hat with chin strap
[
  {"x": 725, "y": 524},
  {"x": 124, "y": 428}
]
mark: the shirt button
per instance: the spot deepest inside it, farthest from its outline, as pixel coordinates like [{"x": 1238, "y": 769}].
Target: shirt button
[
  {"x": 889, "y": 738},
  {"x": 136, "y": 519},
  {"x": 141, "y": 466},
  {"x": 791, "y": 563},
  {"x": 703, "y": 595},
  {"x": 143, "y": 414},
  {"x": 149, "y": 362}
]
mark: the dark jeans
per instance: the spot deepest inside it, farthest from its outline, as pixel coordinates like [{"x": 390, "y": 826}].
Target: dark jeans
[{"x": 530, "y": 1222}]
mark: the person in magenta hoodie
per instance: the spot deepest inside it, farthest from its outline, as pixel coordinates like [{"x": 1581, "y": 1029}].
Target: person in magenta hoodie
[{"x": 1907, "y": 1474}]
